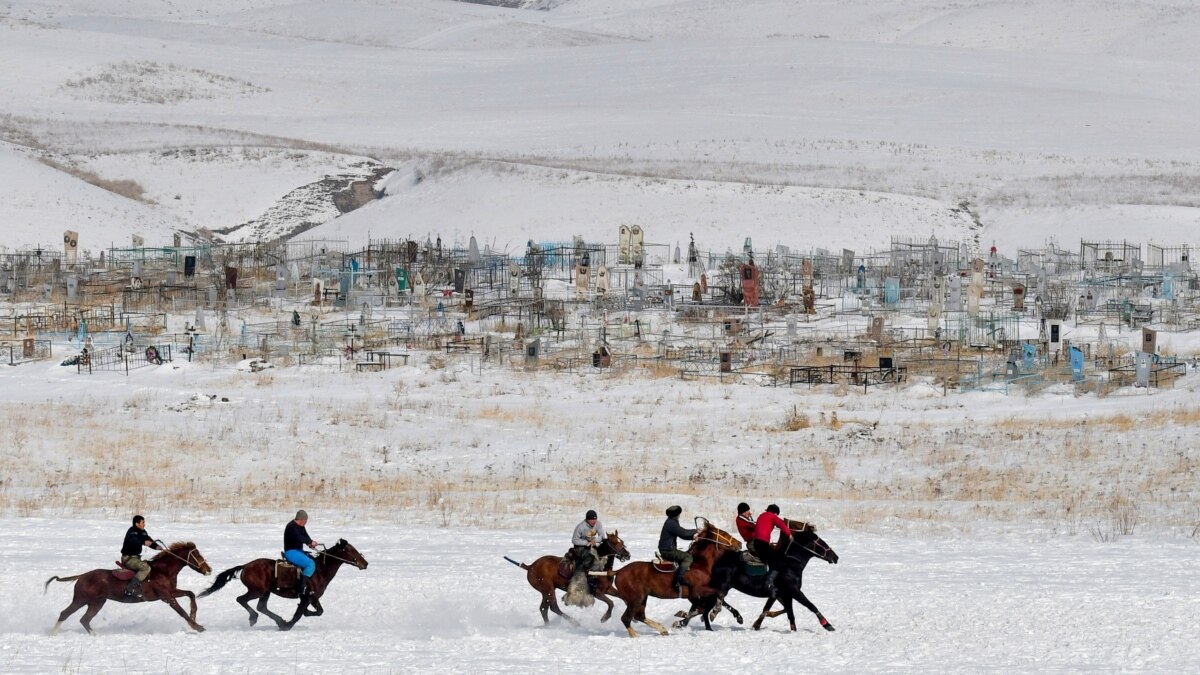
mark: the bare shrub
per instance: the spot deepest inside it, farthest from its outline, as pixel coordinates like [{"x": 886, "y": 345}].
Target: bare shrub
[
  {"x": 1119, "y": 519},
  {"x": 796, "y": 420}
]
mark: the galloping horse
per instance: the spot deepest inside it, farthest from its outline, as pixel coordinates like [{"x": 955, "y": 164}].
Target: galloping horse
[
  {"x": 730, "y": 572},
  {"x": 637, "y": 581},
  {"x": 544, "y": 577},
  {"x": 99, "y": 586},
  {"x": 259, "y": 577}
]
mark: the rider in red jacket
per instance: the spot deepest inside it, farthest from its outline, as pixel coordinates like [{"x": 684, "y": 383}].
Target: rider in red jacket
[
  {"x": 745, "y": 523},
  {"x": 761, "y": 546}
]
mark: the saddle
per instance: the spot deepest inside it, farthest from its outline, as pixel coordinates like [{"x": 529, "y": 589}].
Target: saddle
[
  {"x": 566, "y": 566},
  {"x": 287, "y": 575},
  {"x": 753, "y": 565},
  {"x": 663, "y": 566},
  {"x": 122, "y": 573}
]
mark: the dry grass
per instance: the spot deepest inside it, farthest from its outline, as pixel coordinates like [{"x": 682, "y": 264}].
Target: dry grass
[{"x": 129, "y": 189}]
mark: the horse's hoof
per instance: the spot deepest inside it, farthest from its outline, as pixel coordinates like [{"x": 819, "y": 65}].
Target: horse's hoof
[
  {"x": 739, "y": 620},
  {"x": 253, "y": 620},
  {"x": 677, "y": 625},
  {"x": 199, "y": 628},
  {"x": 793, "y": 628},
  {"x": 829, "y": 627},
  {"x": 286, "y": 626},
  {"x": 680, "y": 614}
]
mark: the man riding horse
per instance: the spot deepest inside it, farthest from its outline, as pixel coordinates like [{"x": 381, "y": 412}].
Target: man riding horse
[
  {"x": 668, "y": 545},
  {"x": 584, "y": 539},
  {"x": 295, "y": 538},
  {"x": 131, "y": 555}
]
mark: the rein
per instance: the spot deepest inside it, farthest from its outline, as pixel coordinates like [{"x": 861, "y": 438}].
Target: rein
[
  {"x": 327, "y": 553},
  {"x": 814, "y": 553},
  {"x": 186, "y": 561}
]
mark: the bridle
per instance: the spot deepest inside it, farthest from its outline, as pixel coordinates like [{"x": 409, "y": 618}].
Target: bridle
[
  {"x": 712, "y": 534},
  {"x": 186, "y": 561},
  {"x": 325, "y": 551},
  {"x": 822, "y": 553}
]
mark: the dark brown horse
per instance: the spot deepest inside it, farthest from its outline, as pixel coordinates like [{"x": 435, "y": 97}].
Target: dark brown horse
[
  {"x": 794, "y": 553},
  {"x": 259, "y": 579},
  {"x": 544, "y": 577},
  {"x": 637, "y": 581},
  {"x": 99, "y": 586}
]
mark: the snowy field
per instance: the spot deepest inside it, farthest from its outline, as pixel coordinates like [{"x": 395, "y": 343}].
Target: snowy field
[
  {"x": 1047, "y": 531},
  {"x": 443, "y": 600}
]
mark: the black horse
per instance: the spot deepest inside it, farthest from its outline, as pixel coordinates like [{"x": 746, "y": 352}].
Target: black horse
[{"x": 730, "y": 573}]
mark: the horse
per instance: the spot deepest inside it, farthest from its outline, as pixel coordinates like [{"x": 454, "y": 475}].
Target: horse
[
  {"x": 730, "y": 572},
  {"x": 259, "y": 578},
  {"x": 543, "y": 575},
  {"x": 96, "y": 587},
  {"x": 637, "y": 581}
]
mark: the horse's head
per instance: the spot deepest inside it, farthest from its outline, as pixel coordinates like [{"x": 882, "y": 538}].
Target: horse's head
[
  {"x": 707, "y": 533},
  {"x": 187, "y": 553},
  {"x": 805, "y": 538},
  {"x": 615, "y": 546},
  {"x": 345, "y": 552}
]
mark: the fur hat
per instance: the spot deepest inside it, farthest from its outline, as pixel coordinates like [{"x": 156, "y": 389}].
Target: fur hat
[
  {"x": 742, "y": 508},
  {"x": 301, "y": 515},
  {"x": 590, "y": 515},
  {"x": 674, "y": 511},
  {"x": 773, "y": 509}
]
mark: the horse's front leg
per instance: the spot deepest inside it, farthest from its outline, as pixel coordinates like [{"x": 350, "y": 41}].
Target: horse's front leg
[
  {"x": 758, "y": 622},
  {"x": 179, "y": 610},
  {"x": 180, "y": 593},
  {"x": 802, "y": 599},
  {"x": 608, "y": 612},
  {"x": 732, "y": 610},
  {"x": 317, "y": 609}
]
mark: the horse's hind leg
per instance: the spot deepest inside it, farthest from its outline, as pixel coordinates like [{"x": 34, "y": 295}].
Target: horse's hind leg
[
  {"x": 244, "y": 601},
  {"x": 65, "y": 614},
  {"x": 262, "y": 607},
  {"x": 553, "y": 605},
  {"x": 93, "y": 609}
]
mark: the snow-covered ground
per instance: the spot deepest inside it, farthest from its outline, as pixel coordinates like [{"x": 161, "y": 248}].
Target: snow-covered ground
[
  {"x": 443, "y": 600},
  {"x": 1036, "y": 532}
]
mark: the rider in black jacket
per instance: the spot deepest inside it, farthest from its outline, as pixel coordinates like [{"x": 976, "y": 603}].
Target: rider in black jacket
[{"x": 131, "y": 555}]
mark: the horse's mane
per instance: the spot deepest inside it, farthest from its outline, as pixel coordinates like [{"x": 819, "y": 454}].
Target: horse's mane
[{"x": 178, "y": 548}]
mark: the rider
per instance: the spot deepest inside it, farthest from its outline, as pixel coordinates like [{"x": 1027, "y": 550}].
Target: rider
[
  {"x": 295, "y": 538},
  {"x": 761, "y": 545},
  {"x": 131, "y": 555},
  {"x": 667, "y": 544},
  {"x": 584, "y": 539},
  {"x": 745, "y": 523}
]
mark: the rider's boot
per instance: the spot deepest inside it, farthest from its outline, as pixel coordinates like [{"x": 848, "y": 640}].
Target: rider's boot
[
  {"x": 678, "y": 581},
  {"x": 771, "y": 588},
  {"x": 134, "y": 588},
  {"x": 303, "y": 589}
]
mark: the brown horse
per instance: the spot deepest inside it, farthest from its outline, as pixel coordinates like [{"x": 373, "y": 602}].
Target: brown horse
[
  {"x": 259, "y": 579},
  {"x": 637, "y": 581},
  {"x": 99, "y": 586},
  {"x": 544, "y": 577}
]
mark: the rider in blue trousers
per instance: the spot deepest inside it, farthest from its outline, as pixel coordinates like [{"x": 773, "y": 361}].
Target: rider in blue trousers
[{"x": 295, "y": 538}]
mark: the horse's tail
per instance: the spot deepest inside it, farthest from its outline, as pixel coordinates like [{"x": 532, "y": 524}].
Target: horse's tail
[
  {"x": 521, "y": 565},
  {"x": 222, "y": 579},
  {"x": 46, "y": 587}
]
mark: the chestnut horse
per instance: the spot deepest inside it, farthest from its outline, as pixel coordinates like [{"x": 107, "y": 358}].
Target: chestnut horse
[
  {"x": 730, "y": 572},
  {"x": 99, "y": 586},
  {"x": 259, "y": 578},
  {"x": 637, "y": 581},
  {"x": 544, "y": 577}
]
